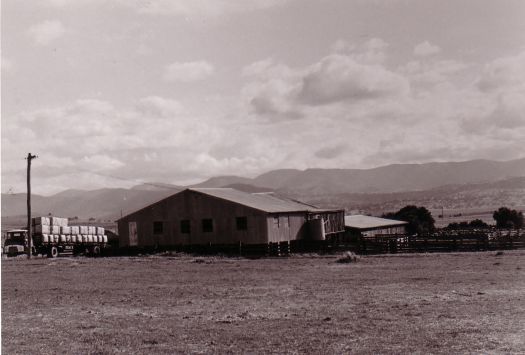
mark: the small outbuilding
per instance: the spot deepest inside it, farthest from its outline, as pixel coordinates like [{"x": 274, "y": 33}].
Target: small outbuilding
[
  {"x": 225, "y": 216},
  {"x": 368, "y": 226}
]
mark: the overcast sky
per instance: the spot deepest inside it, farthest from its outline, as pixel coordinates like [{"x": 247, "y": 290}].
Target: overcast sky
[{"x": 179, "y": 91}]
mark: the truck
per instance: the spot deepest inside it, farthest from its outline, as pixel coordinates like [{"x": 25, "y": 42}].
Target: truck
[{"x": 53, "y": 236}]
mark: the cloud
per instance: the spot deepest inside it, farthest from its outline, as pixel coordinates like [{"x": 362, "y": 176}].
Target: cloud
[
  {"x": 100, "y": 162},
  {"x": 159, "y": 106},
  {"x": 7, "y": 65},
  {"x": 188, "y": 71},
  {"x": 425, "y": 49},
  {"x": 338, "y": 78},
  {"x": 503, "y": 73},
  {"x": 206, "y": 8},
  {"x": 501, "y": 88},
  {"x": 330, "y": 152},
  {"x": 277, "y": 92},
  {"x": 431, "y": 72},
  {"x": 46, "y": 32}
]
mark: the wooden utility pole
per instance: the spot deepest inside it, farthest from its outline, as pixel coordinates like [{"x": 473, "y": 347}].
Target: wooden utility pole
[{"x": 29, "y": 226}]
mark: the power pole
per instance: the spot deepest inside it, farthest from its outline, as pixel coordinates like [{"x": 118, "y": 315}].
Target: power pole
[{"x": 29, "y": 226}]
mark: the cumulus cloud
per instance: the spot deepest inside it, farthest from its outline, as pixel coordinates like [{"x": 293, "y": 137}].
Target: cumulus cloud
[
  {"x": 339, "y": 78},
  {"x": 501, "y": 86},
  {"x": 159, "y": 106},
  {"x": 431, "y": 72},
  {"x": 503, "y": 73},
  {"x": 46, "y": 32},
  {"x": 278, "y": 92},
  {"x": 425, "y": 49},
  {"x": 188, "y": 71}
]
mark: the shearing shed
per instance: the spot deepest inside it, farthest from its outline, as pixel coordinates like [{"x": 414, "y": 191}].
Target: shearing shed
[
  {"x": 368, "y": 226},
  {"x": 225, "y": 216}
]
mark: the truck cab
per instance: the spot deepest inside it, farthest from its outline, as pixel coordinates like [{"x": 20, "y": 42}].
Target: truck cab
[{"x": 16, "y": 242}]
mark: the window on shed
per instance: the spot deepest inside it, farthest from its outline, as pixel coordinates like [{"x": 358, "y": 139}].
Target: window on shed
[
  {"x": 185, "y": 227},
  {"x": 207, "y": 225},
  {"x": 242, "y": 223},
  {"x": 276, "y": 221},
  {"x": 158, "y": 227}
]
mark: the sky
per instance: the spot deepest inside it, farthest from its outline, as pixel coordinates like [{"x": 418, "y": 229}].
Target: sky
[{"x": 112, "y": 93}]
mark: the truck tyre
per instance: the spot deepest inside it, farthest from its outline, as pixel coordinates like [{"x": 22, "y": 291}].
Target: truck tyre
[
  {"x": 52, "y": 253},
  {"x": 96, "y": 251}
]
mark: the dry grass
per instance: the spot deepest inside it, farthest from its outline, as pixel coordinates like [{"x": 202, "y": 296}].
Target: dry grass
[{"x": 439, "y": 303}]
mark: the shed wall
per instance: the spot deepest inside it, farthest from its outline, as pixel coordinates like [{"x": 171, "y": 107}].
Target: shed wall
[
  {"x": 194, "y": 206},
  {"x": 286, "y": 227}
]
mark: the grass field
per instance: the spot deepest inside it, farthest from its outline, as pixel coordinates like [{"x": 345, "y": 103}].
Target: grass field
[{"x": 427, "y": 303}]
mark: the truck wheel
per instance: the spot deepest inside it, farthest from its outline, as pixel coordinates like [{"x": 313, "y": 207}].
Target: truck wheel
[
  {"x": 52, "y": 253},
  {"x": 96, "y": 251}
]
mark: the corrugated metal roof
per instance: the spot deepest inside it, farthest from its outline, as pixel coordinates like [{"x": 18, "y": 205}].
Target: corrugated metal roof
[
  {"x": 367, "y": 222},
  {"x": 267, "y": 202}
]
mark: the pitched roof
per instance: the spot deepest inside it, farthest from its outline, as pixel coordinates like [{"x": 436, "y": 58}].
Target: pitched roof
[
  {"x": 367, "y": 222},
  {"x": 267, "y": 202}
]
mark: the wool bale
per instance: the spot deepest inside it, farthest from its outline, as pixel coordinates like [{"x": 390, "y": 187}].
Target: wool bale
[
  {"x": 55, "y": 229},
  {"x": 56, "y": 238},
  {"x": 100, "y": 230},
  {"x": 83, "y": 230},
  {"x": 40, "y": 221},
  {"x": 105, "y": 238},
  {"x": 68, "y": 238},
  {"x": 84, "y": 238},
  {"x": 65, "y": 230},
  {"x": 62, "y": 238},
  {"x": 75, "y": 230},
  {"x": 58, "y": 221},
  {"x": 92, "y": 230},
  {"x": 73, "y": 238},
  {"x": 43, "y": 229},
  {"x": 45, "y": 238},
  {"x": 89, "y": 238}
]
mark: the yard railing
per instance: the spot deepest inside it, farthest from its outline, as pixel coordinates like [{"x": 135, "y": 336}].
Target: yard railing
[{"x": 444, "y": 241}]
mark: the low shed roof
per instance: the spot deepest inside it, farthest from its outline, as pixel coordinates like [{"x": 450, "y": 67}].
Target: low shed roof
[
  {"x": 267, "y": 202},
  {"x": 359, "y": 221}
]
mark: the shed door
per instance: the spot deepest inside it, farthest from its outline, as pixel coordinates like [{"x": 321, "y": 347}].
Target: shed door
[{"x": 133, "y": 238}]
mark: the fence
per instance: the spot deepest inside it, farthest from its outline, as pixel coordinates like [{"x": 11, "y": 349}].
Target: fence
[{"x": 439, "y": 242}]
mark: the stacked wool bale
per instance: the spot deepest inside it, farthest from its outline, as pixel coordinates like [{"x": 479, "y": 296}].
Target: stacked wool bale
[
  {"x": 41, "y": 225},
  {"x": 56, "y": 229}
]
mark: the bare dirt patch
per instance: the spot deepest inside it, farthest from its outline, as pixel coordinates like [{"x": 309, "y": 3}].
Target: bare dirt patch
[{"x": 432, "y": 303}]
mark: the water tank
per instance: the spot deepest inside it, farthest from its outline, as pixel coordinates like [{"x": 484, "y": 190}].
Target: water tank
[{"x": 316, "y": 228}]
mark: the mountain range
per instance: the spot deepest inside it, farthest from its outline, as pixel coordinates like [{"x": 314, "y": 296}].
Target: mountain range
[{"x": 475, "y": 183}]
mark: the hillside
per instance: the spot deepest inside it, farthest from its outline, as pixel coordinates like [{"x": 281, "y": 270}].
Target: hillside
[
  {"x": 386, "y": 179},
  {"x": 472, "y": 184},
  {"x": 103, "y": 203}
]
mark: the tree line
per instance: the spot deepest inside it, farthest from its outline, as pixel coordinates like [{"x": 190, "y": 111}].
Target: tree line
[{"x": 420, "y": 220}]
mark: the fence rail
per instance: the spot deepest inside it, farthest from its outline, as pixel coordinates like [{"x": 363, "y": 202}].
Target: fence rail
[{"x": 439, "y": 242}]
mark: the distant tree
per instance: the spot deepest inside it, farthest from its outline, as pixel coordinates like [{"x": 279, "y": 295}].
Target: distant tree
[
  {"x": 474, "y": 224},
  {"x": 478, "y": 223},
  {"x": 419, "y": 219},
  {"x": 507, "y": 218}
]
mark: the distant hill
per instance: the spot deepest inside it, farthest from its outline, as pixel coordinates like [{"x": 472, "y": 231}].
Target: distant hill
[
  {"x": 477, "y": 183},
  {"x": 386, "y": 179},
  {"x": 102, "y": 203}
]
